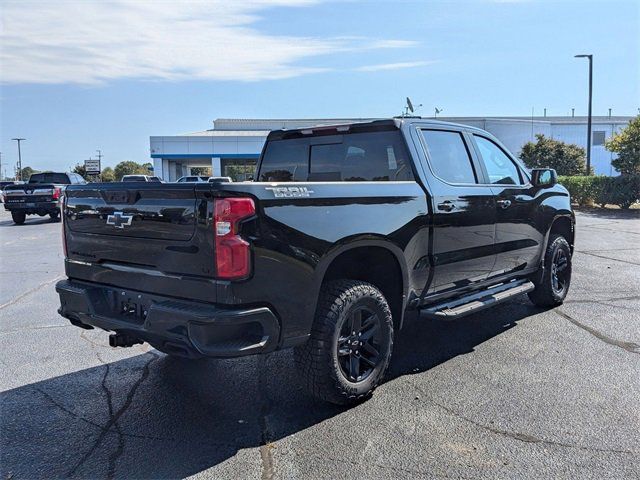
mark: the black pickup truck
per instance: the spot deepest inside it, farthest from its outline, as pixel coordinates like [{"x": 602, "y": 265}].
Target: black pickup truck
[
  {"x": 41, "y": 195},
  {"x": 349, "y": 230}
]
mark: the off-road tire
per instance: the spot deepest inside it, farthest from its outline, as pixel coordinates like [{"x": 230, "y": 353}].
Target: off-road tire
[
  {"x": 18, "y": 217},
  {"x": 317, "y": 359},
  {"x": 545, "y": 295}
]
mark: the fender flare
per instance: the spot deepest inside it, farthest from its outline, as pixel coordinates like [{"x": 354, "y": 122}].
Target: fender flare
[
  {"x": 569, "y": 215},
  {"x": 352, "y": 243}
]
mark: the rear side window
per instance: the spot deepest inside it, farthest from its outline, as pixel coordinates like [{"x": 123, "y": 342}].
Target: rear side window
[
  {"x": 500, "y": 168},
  {"x": 59, "y": 178},
  {"x": 359, "y": 157},
  {"x": 355, "y": 157},
  {"x": 448, "y": 156},
  {"x": 285, "y": 161}
]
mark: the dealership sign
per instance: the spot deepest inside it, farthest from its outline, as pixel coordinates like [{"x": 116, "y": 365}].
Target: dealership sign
[{"x": 92, "y": 166}]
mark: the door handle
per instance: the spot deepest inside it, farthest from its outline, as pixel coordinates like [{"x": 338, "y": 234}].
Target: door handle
[
  {"x": 447, "y": 206},
  {"x": 504, "y": 203}
]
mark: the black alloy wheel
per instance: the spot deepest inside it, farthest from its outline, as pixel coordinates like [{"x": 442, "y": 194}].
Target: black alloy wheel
[
  {"x": 559, "y": 271},
  {"x": 359, "y": 344},
  {"x": 350, "y": 345}
]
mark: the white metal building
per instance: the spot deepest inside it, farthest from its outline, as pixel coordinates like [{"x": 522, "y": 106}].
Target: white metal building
[{"x": 233, "y": 146}]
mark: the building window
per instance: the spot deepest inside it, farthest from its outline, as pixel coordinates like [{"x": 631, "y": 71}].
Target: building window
[
  {"x": 239, "y": 169},
  {"x": 598, "y": 137}
]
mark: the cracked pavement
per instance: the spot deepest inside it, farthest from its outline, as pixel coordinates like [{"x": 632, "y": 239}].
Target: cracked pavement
[{"x": 512, "y": 392}]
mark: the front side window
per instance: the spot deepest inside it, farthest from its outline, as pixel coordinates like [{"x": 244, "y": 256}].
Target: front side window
[
  {"x": 448, "y": 156},
  {"x": 500, "y": 168}
]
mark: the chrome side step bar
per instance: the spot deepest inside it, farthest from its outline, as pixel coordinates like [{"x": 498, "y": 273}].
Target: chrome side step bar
[{"x": 477, "y": 301}]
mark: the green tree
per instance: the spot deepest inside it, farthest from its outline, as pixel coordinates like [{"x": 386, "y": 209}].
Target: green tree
[
  {"x": 26, "y": 172},
  {"x": 80, "y": 170},
  {"x": 129, "y": 167},
  {"x": 565, "y": 158},
  {"x": 201, "y": 171},
  {"x": 108, "y": 175},
  {"x": 626, "y": 144}
]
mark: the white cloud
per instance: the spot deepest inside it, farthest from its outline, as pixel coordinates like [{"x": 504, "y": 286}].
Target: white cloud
[
  {"x": 392, "y": 66},
  {"x": 88, "y": 42}
]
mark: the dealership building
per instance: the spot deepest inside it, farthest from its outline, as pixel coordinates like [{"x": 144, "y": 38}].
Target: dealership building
[{"x": 232, "y": 147}]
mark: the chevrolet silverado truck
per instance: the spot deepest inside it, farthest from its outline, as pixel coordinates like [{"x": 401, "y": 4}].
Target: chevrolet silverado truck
[
  {"x": 41, "y": 195},
  {"x": 347, "y": 231}
]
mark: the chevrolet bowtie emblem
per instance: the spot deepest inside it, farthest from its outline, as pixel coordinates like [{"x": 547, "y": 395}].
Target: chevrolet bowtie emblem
[{"x": 119, "y": 220}]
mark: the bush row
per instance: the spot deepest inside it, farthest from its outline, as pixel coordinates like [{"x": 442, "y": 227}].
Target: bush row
[{"x": 623, "y": 191}]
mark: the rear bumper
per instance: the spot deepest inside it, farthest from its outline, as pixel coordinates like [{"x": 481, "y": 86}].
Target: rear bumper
[
  {"x": 180, "y": 327},
  {"x": 32, "y": 207}
]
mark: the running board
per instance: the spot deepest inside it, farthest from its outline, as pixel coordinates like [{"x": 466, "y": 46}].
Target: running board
[{"x": 477, "y": 301}]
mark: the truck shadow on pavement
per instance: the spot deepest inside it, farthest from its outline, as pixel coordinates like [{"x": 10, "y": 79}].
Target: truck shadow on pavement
[{"x": 152, "y": 416}]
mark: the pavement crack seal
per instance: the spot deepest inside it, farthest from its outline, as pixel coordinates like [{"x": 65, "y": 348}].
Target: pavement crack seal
[
  {"x": 28, "y": 329},
  {"x": 266, "y": 456},
  {"x": 29, "y": 292},
  {"x": 526, "y": 438},
  {"x": 54, "y": 402},
  {"x": 83, "y": 335},
  {"x": 113, "y": 419},
  {"x": 628, "y": 346},
  {"x": 608, "y": 258}
]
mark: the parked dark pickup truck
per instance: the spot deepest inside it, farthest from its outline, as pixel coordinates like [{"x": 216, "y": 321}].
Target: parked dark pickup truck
[
  {"x": 349, "y": 230},
  {"x": 41, "y": 195}
]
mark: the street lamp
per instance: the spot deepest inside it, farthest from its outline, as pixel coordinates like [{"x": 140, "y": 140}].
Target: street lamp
[
  {"x": 19, "y": 157},
  {"x": 590, "y": 57}
]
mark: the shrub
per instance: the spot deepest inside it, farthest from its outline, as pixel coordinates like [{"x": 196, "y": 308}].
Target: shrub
[
  {"x": 565, "y": 158},
  {"x": 581, "y": 188},
  {"x": 623, "y": 191},
  {"x": 627, "y": 145}
]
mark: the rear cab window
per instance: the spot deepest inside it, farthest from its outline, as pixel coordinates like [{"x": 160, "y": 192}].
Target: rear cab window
[
  {"x": 378, "y": 156},
  {"x": 59, "y": 178}
]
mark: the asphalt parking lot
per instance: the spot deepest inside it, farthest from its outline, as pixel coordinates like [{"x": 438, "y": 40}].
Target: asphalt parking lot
[{"x": 513, "y": 392}]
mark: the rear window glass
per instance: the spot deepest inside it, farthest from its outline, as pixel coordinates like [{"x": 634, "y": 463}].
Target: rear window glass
[
  {"x": 60, "y": 178},
  {"x": 285, "y": 161},
  {"x": 448, "y": 156},
  {"x": 367, "y": 156}
]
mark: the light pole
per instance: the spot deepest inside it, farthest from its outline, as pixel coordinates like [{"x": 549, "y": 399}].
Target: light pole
[
  {"x": 19, "y": 157},
  {"x": 590, "y": 57}
]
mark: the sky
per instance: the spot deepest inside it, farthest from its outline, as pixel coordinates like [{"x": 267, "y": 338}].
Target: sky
[{"x": 77, "y": 76}]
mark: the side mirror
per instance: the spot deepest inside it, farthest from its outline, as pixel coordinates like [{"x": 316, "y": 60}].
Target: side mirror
[{"x": 544, "y": 177}]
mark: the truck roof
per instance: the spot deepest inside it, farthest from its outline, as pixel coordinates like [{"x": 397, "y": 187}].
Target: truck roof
[{"x": 377, "y": 124}]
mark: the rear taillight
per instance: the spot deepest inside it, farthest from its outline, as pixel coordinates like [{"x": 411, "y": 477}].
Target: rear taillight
[
  {"x": 56, "y": 193},
  {"x": 62, "y": 222},
  {"x": 233, "y": 255}
]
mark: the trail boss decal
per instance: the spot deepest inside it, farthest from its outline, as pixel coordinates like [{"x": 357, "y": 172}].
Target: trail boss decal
[{"x": 290, "y": 192}]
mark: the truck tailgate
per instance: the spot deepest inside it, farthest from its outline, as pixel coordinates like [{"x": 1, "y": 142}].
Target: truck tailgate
[
  {"x": 141, "y": 210},
  {"x": 152, "y": 237}
]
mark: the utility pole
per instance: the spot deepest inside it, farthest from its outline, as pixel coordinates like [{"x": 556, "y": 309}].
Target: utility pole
[
  {"x": 590, "y": 58},
  {"x": 100, "y": 163},
  {"x": 19, "y": 176}
]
